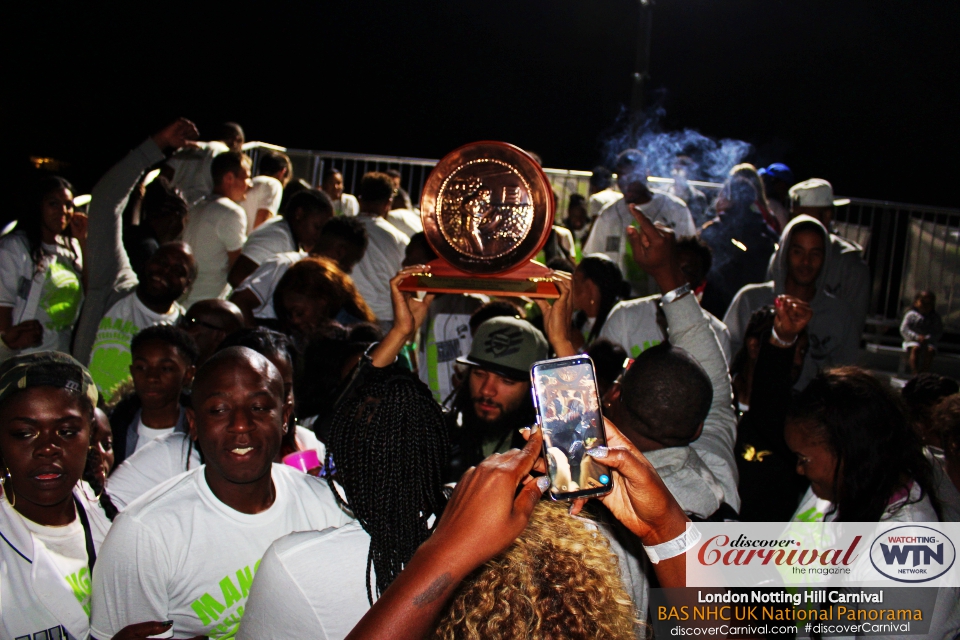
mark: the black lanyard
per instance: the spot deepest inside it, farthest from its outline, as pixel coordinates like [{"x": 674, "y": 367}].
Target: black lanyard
[{"x": 87, "y": 536}]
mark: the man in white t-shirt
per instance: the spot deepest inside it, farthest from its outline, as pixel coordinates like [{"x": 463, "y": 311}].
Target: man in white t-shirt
[
  {"x": 385, "y": 250},
  {"x": 342, "y": 239},
  {"x": 344, "y": 204},
  {"x": 608, "y": 234},
  {"x": 218, "y": 228},
  {"x": 601, "y": 192},
  {"x": 297, "y": 229},
  {"x": 263, "y": 199},
  {"x": 188, "y": 550},
  {"x": 118, "y": 305},
  {"x": 189, "y": 169},
  {"x": 407, "y": 221},
  {"x": 636, "y": 325}
]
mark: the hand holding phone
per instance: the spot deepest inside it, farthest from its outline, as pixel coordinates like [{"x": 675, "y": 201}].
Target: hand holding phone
[{"x": 568, "y": 407}]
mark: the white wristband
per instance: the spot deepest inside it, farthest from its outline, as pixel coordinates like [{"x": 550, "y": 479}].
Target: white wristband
[
  {"x": 676, "y": 294},
  {"x": 672, "y": 548},
  {"x": 780, "y": 341}
]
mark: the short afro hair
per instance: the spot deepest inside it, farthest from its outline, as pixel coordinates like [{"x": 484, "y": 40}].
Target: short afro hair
[
  {"x": 171, "y": 335},
  {"x": 666, "y": 394},
  {"x": 376, "y": 187}
]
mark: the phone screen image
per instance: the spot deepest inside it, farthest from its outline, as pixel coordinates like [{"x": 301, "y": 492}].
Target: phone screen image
[{"x": 565, "y": 392}]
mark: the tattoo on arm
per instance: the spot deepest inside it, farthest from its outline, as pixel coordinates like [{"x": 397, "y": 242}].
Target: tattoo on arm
[{"x": 434, "y": 592}]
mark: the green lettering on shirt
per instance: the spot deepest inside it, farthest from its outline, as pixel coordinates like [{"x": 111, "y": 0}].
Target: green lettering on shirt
[
  {"x": 231, "y": 595},
  {"x": 80, "y": 585},
  {"x": 245, "y": 579},
  {"x": 210, "y": 610},
  {"x": 637, "y": 349},
  {"x": 810, "y": 515},
  {"x": 207, "y": 608}
]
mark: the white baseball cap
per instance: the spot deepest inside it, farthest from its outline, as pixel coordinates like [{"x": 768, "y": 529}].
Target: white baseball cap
[{"x": 815, "y": 192}]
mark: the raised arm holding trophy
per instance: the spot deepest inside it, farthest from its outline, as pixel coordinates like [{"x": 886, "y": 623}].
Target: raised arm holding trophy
[{"x": 487, "y": 209}]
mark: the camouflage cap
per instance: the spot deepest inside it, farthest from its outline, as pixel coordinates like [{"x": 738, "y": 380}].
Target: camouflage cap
[
  {"x": 507, "y": 346},
  {"x": 46, "y": 369}
]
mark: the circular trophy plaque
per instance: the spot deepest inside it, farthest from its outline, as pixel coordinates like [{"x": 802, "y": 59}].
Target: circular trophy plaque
[{"x": 487, "y": 208}]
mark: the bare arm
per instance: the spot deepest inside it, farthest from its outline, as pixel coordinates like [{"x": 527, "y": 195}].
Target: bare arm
[
  {"x": 262, "y": 216},
  {"x": 232, "y": 257},
  {"x": 484, "y": 515},
  {"x": 409, "y": 312},
  {"x": 247, "y": 300},
  {"x": 241, "y": 269}
]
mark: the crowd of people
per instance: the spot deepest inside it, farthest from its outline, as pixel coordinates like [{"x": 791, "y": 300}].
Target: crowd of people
[{"x": 221, "y": 417}]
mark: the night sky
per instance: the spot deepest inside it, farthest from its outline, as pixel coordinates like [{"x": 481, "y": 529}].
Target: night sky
[{"x": 866, "y": 94}]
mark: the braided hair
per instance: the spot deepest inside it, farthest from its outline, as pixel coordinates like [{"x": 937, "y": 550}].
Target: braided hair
[
  {"x": 30, "y": 222},
  {"x": 604, "y": 273},
  {"x": 388, "y": 449}
]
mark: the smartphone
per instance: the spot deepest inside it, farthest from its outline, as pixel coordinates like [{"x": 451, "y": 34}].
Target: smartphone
[{"x": 568, "y": 405}]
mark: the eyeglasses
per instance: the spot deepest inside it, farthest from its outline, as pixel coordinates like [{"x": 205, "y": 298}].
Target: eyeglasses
[{"x": 188, "y": 323}]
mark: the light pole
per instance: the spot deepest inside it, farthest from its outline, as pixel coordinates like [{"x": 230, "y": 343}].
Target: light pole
[{"x": 641, "y": 68}]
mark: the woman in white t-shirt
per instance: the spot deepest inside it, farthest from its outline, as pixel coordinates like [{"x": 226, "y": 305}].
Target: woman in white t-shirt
[
  {"x": 597, "y": 287},
  {"x": 854, "y": 444},
  {"x": 41, "y": 272},
  {"x": 51, "y": 523}
]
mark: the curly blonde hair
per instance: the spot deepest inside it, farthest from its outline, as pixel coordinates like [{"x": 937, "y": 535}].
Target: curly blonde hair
[{"x": 559, "y": 579}]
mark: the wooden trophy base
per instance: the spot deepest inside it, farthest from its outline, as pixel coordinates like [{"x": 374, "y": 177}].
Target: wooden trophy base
[{"x": 532, "y": 280}]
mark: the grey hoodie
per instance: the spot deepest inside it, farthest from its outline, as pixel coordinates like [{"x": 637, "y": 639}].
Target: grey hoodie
[
  {"x": 834, "y": 336},
  {"x": 848, "y": 278}
]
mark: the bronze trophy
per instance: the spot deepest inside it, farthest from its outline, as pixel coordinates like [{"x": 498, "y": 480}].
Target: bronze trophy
[{"x": 487, "y": 210}]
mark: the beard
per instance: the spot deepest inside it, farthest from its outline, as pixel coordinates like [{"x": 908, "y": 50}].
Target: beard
[{"x": 479, "y": 430}]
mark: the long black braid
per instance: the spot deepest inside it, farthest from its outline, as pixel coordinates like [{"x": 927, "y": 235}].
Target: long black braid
[{"x": 388, "y": 450}]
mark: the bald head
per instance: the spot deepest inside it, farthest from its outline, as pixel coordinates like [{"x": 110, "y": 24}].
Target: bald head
[
  {"x": 238, "y": 415},
  {"x": 219, "y": 373},
  {"x": 226, "y": 315},
  {"x": 210, "y": 321}
]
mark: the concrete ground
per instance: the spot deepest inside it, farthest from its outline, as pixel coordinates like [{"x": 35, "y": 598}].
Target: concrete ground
[{"x": 887, "y": 364}]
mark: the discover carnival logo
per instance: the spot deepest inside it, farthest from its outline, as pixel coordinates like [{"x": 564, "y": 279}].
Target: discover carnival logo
[{"x": 912, "y": 553}]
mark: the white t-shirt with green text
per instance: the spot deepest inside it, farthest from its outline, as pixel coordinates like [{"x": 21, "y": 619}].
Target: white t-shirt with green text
[
  {"x": 633, "y": 325},
  {"x": 68, "y": 548},
  {"x": 178, "y": 553},
  {"x": 444, "y": 337},
  {"x": 52, "y": 294},
  {"x": 110, "y": 359}
]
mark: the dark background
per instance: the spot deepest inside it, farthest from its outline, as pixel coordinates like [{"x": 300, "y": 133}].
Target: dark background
[{"x": 862, "y": 93}]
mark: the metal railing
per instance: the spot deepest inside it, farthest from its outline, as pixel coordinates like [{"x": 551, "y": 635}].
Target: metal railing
[{"x": 908, "y": 247}]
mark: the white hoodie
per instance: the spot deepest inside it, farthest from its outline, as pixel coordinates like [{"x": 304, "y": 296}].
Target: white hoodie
[{"x": 35, "y": 596}]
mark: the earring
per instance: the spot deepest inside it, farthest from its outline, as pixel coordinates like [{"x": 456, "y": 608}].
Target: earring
[{"x": 3, "y": 483}]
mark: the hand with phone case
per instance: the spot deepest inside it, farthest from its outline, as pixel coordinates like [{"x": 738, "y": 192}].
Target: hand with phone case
[{"x": 568, "y": 405}]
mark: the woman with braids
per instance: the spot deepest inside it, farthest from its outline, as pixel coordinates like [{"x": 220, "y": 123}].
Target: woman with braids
[
  {"x": 597, "y": 286},
  {"x": 51, "y": 522},
  {"x": 41, "y": 272},
  {"x": 172, "y": 454},
  {"x": 388, "y": 450}
]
